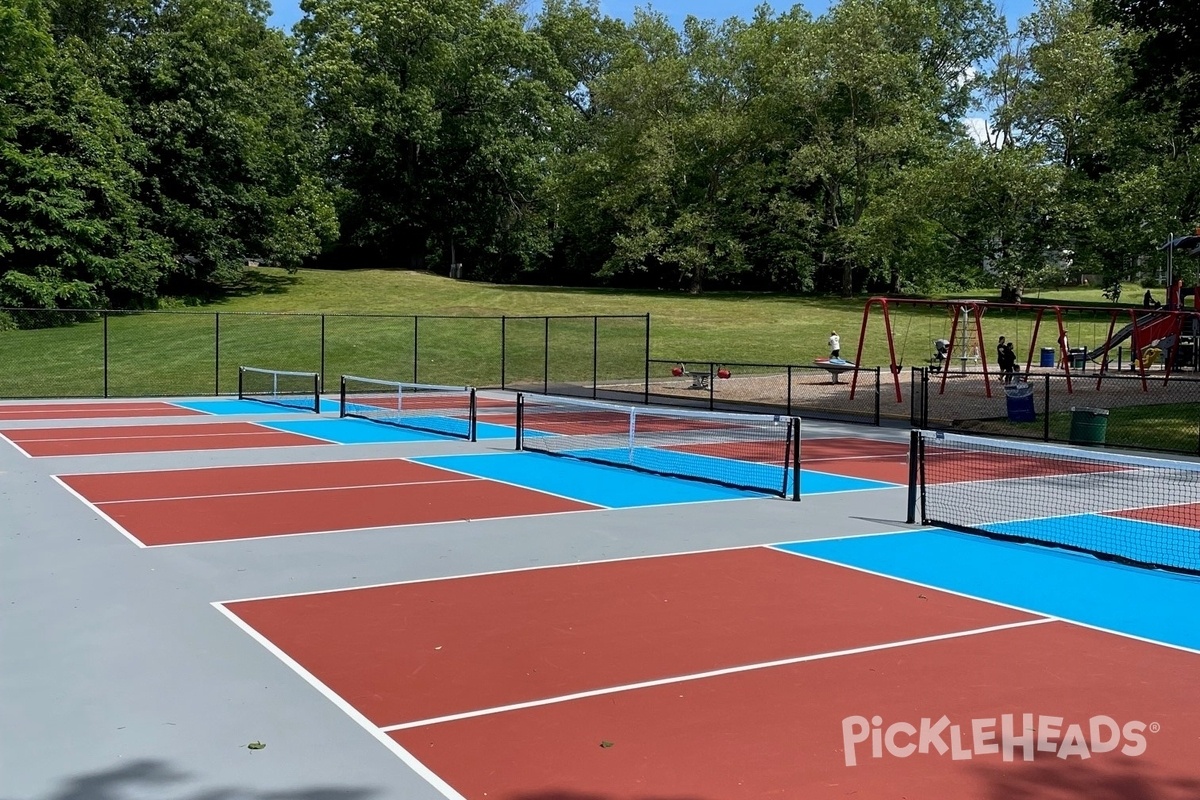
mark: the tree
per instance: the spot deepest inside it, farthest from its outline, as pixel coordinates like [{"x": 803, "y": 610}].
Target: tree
[{"x": 438, "y": 119}]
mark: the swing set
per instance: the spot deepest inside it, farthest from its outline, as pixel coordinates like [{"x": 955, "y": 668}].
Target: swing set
[{"x": 1152, "y": 334}]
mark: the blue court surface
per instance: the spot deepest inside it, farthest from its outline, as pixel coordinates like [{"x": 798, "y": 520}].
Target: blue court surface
[
  {"x": 742, "y": 473},
  {"x": 1156, "y": 605},
  {"x": 230, "y": 406},
  {"x": 611, "y": 487},
  {"x": 349, "y": 430}
]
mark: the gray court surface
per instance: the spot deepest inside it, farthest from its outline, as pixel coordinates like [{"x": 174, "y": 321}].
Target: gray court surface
[{"x": 118, "y": 678}]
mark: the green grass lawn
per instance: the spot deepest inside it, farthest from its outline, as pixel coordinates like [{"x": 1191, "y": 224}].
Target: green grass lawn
[{"x": 190, "y": 352}]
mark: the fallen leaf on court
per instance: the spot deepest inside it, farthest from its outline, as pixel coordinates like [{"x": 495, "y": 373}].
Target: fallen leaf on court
[
  {"x": 256, "y": 745},
  {"x": 606, "y": 743}
]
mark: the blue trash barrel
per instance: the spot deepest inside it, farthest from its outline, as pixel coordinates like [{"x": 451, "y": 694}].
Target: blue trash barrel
[
  {"x": 1019, "y": 398},
  {"x": 1047, "y": 357}
]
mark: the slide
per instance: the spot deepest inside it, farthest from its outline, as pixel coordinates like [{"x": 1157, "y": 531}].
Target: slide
[{"x": 1150, "y": 326}]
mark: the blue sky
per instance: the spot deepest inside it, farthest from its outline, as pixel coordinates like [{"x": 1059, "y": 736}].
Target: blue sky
[{"x": 287, "y": 12}]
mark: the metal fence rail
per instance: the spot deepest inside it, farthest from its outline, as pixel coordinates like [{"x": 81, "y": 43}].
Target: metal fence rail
[
  {"x": 69, "y": 353},
  {"x": 1117, "y": 411}
]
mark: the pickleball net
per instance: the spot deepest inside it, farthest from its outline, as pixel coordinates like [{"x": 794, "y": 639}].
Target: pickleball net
[
  {"x": 755, "y": 452},
  {"x": 1138, "y": 510},
  {"x": 295, "y": 390},
  {"x": 445, "y": 410}
]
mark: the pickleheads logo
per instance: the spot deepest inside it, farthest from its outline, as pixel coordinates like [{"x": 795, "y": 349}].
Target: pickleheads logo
[{"x": 1026, "y": 734}]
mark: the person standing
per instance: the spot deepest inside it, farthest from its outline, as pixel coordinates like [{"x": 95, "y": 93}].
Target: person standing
[
  {"x": 1000, "y": 356},
  {"x": 835, "y": 345}
]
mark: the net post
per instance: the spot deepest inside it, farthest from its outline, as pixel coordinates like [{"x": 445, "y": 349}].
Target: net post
[
  {"x": 520, "y": 426},
  {"x": 921, "y": 476},
  {"x": 241, "y": 383},
  {"x": 795, "y": 459},
  {"x": 473, "y": 418},
  {"x": 317, "y": 378},
  {"x": 914, "y": 474},
  {"x": 342, "y": 398}
]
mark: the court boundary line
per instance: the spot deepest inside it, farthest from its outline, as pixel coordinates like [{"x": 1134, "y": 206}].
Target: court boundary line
[
  {"x": 491, "y": 572},
  {"x": 265, "y": 431},
  {"x": 751, "y": 494},
  {"x": 377, "y": 733},
  {"x": 398, "y": 525},
  {"x": 283, "y": 491},
  {"x": 508, "y": 483},
  {"x": 714, "y": 673},
  {"x": 1081, "y": 624},
  {"x": 16, "y": 446},
  {"x": 315, "y": 443},
  {"x": 264, "y": 464},
  {"x": 96, "y": 510}
]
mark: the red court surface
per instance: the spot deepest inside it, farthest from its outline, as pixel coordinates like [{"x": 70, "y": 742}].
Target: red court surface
[
  {"x": 719, "y": 675},
  {"x": 97, "y": 410},
  {"x": 1185, "y": 515},
  {"x": 39, "y": 442},
  {"x": 224, "y": 503}
]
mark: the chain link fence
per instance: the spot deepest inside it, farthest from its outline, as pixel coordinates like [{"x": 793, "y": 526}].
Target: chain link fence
[
  {"x": 66, "y": 353},
  {"x": 1116, "y": 409},
  {"x": 770, "y": 388}
]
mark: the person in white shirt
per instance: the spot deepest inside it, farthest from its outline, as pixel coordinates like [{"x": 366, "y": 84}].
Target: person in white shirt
[{"x": 835, "y": 345}]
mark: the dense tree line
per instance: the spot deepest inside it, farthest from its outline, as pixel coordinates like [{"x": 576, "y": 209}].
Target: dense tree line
[{"x": 153, "y": 147}]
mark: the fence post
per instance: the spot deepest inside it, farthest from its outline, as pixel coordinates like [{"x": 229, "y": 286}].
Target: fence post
[
  {"x": 646, "y": 384},
  {"x": 712, "y": 384},
  {"x": 595, "y": 356},
  {"x": 1046, "y": 414},
  {"x": 416, "y": 349},
  {"x": 322, "y": 358},
  {"x": 105, "y": 317},
  {"x": 503, "y": 351},
  {"x": 789, "y": 390},
  {"x": 877, "y": 397},
  {"x": 217, "y": 354},
  {"x": 546, "y": 359}
]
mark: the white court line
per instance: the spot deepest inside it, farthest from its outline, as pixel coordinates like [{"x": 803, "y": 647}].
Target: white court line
[
  {"x": 697, "y": 676},
  {"x": 989, "y": 601},
  {"x": 200, "y": 435},
  {"x": 380, "y": 736},
  {"x": 509, "y": 571},
  {"x": 301, "y": 490},
  {"x": 395, "y": 525},
  {"x": 426, "y": 459},
  {"x": 16, "y": 446},
  {"x": 321, "y": 462},
  {"x": 95, "y": 509}
]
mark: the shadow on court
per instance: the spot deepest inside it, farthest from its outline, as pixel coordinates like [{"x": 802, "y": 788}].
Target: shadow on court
[
  {"x": 553, "y": 794},
  {"x": 151, "y": 778},
  {"x": 1105, "y": 777}
]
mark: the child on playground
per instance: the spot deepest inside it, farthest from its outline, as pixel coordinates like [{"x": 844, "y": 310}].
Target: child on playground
[
  {"x": 835, "y": 345},
  {"x": 1008, "y": 362}
]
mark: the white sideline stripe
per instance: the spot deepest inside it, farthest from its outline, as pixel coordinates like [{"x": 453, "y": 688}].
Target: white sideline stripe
[
  {"x": 380, "y": 736},
  {"x": 978, "y": 598},
  {"x": 16, "y": 446},
  {"x": 282, "y": 491},
  {"x": 99, "y": 513},
  {"x": 263, "y": 432},
  {"x": 507, "y": 571},
  {"x": 696, "y": 676}
]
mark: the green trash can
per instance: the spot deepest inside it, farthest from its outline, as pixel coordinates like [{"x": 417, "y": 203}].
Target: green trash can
[{"x": 1088, "y": 425}]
